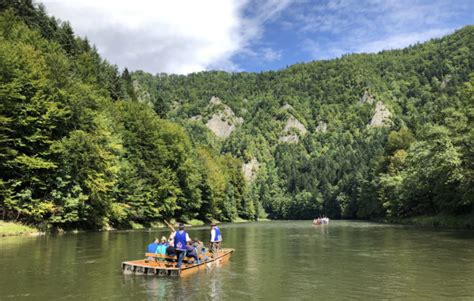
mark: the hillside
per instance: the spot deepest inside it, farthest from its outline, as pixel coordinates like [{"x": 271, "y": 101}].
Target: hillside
[
  {"x": 79, "y": 151},
  {"x": 83, "y": 145},
  {"x": 365, "y": 135}
]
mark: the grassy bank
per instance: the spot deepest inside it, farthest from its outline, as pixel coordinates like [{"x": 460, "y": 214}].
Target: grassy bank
[
  {"x": 465, "y": 221},
  {"x": 11, "y": 228}
]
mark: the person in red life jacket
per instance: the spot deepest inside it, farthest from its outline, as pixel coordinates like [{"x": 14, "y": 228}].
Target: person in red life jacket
[
  {"x": 216, "y": 238},
  {"x": 180, "y": 239}
]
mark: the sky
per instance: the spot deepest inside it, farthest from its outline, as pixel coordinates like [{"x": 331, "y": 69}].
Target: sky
[{"x": 185, "y": 36}]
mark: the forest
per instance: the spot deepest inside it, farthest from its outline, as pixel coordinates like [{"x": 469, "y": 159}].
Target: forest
[{"x": 364, "y": 136}]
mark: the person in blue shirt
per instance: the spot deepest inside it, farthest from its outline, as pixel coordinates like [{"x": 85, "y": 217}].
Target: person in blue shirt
[
  {"x": 180, "y": 239},
  {"x": 152, "y": 247}
]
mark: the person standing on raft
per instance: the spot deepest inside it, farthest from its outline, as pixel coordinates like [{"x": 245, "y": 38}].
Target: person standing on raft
[
  {"x": 216, "y": 238},
  {"x": 180, "y": 239}
]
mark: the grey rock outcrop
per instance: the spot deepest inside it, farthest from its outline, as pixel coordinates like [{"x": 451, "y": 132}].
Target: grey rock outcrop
[
  {"x": 322, "y": 127},
  {"x": 223, "y": 122},
  {"x": 196, "y": 118},
  {"x": 290, "y": 138},
  {"x": 367, "y": 98},
  {"x": 293, "y": 123},
  {"x": 288, "y": 135},
  {"x": 250, "y": 169},
  {"x": 215, "y": 101},
  {"x": 381, "y": 116}
]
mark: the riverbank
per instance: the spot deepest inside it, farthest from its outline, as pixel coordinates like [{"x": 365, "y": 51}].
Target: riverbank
[
  {"x": 460, "y": 222},
  {"x": 19, "y": 229},
  {"x": 14, "y": 229}
]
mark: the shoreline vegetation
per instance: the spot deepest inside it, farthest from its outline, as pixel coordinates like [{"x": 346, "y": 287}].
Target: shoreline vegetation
[
  {"x": 464, "y": 222},
  {"x": 17, "y": 229}
]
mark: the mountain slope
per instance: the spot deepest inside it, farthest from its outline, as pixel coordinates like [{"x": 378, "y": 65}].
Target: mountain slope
[
  {"x": 364, "y": 136},
  {"x": 380, "y": 112}
]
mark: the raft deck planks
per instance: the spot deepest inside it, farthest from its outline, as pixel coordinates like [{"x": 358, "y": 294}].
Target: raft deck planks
[{"x": 166, "y": 268}]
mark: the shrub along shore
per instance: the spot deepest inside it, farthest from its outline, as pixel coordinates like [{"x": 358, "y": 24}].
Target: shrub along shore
[
  {"x": 13, "y": 229},
  {"x": 437, "y": 221}
]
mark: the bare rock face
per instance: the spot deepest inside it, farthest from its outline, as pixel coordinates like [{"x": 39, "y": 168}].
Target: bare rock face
[
  {"x": 381, "y": 116},
  {"x": 294, "y": 123},
  {"x": 196, "y": 118},
  {"x": 445, "y": 81},
  {"x": 291, "y": 137},
  {"x": 367, "y": 98},
  {"x": 219, "y": 126},
  {"x": 223, "y": 122},
  {"x": 250, "y": 170},
  {"x": 322, "y": 127},
  {"x": 214, "y": 101},
  {"x": 287, "y": 107}
]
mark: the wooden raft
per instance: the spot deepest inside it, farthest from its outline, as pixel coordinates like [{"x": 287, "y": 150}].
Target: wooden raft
[{"x": 161, "y": 265}]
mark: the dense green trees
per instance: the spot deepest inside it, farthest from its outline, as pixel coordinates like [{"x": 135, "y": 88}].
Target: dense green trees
[
  {"x": 419, "y": 163},
  {"x": 78, "y": 150},
  {"x": 83, "y": 145}
]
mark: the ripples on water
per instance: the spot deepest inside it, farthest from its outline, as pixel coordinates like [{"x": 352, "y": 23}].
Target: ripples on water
[{"x": 287, "y": 260}]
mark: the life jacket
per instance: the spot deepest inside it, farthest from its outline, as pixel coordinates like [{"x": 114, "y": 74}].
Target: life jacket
[
  {"x": 180, "y": 240},
  {"x": 218, "y": 236}
]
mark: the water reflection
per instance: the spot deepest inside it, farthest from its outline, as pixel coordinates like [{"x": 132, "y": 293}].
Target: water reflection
[{"x": 324, "y": 229}]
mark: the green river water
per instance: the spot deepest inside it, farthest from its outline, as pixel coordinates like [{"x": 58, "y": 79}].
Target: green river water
[{"x": 278, "y": 260}]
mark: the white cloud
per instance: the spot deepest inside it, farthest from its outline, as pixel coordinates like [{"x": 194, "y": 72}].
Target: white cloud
[
  {"x": 271, "y": 55},
  {"x": 183, "y": 36},
  {"x": 167, "y": 36}
]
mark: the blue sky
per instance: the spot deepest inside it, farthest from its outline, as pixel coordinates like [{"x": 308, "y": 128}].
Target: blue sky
[
  {"x": 184, "y": 36},
  {"x": 315, "y": 30}
]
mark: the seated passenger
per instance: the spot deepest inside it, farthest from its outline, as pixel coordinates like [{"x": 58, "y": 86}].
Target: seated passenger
[
  {"x": 200, "y": 249},
  {"x": 170, "y": 251},
  {"x": 152, "y": 247},
  {"x": 192, "y": 252},
  {"x": 198, "y": 245},
  {"x": 162, "y": 246}
]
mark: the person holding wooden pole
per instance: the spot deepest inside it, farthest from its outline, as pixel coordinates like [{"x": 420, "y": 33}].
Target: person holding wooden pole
[{"x": 180, "y": 238}]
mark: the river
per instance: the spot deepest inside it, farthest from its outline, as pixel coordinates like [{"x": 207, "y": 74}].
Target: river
[{"x": 277, "y": 260}]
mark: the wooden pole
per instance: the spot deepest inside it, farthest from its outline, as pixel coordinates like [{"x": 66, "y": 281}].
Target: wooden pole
[{"x": 169, "y": 226}]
